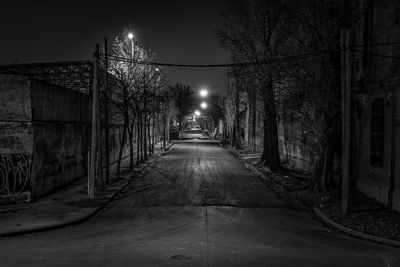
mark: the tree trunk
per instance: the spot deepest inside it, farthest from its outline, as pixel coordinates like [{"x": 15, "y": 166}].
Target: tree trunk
[
  {"x": 138, "y": 140},
  {"x": 253, "y": 117},
  {"x": 145, "y": 138},
  {"x": 149, "y": 134},
  {"x": 266, "y": 144},
  {"x": 131, "y": 152},
  {"x": 121, "y": 148},
  {"x": 271, "y": 143},
  {"x": 233, "y": 135},
  {"x": 126, "y": 125},
  {"x": 274, "y": 141},
  {"x": 164, "y": 129},
  {"x": 238, "y": 144},
  {"x": 141, "y": 138}
]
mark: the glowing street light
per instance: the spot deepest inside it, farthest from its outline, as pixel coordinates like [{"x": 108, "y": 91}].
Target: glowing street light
[
  {"x": 197, "y": 113},
  {"x": 203, "y": 105},
  {"x": 130, "y": 36},
  {"x": 203, "y": 92}
]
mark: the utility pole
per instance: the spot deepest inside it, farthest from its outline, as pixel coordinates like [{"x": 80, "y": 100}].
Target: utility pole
[
  {"x": 164, "y": 126},
  {"x": 93, "y": 150},
  {"x": 154, "y": 110},
  {"x": 346, "y": 115},
  {"x": 106, "y": 117},
  {"x": 99, "y": 136}
]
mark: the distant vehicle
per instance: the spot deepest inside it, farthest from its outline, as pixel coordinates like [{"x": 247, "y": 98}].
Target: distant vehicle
[{"x": 196, "y": 128}]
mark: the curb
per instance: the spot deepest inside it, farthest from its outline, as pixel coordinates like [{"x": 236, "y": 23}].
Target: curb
[
  {"x": 326, "y": 220},
  {"x": 82, "y": 218},
  {"x": 271, "y": 183},
  {"x": 65, "y": 223},
  {"x": 319, "y": 215}
]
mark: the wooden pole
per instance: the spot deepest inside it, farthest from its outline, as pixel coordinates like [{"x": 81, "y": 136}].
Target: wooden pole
[
  {"x": 99, "y": 144},
  {"x": 164, "y": 127},
  {"x": 95, "y": 99},
  {"x": 138, "y": 140},
  {"x": 154, "y": 114},
  {"x": 106, "y": 117},
  {"x": 346, "y": 116},
  {"x": 343, "y": 106}
]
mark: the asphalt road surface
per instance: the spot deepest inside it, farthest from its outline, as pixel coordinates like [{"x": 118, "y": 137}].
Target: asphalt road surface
[{"x": 197, "y": 206}]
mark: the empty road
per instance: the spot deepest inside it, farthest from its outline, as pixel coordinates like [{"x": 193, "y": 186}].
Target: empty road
[{"x": 197, "y": 206}]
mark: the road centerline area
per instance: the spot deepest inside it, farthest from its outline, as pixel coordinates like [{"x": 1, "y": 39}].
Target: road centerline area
[{"x": 199, "y": 207}]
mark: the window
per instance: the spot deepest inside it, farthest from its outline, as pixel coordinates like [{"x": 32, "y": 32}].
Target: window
[{"x": 377, "y": 128}]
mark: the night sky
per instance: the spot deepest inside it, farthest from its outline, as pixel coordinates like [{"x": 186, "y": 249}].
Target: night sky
[{"x": 178, "y": 31}]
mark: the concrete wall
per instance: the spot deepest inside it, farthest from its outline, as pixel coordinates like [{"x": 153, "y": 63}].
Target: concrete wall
[
  {"x": 293, "y": 152},
  {"x": 396, "y": 160},
  {"x": 379, "y": 78},
  {"x": 61, "y": 134},
  {"x": 374, "y": 180},
  {"x": 16, "y": 139},
  {"x": 45, "y": 134}
]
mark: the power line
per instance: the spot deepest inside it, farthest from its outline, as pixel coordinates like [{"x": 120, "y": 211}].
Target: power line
[
  {"x": 238, "y": 64},
  {"x": 377, "y": 44},
  {"x": 245, "y": 64},
  {"x": 377, "y": 55}
]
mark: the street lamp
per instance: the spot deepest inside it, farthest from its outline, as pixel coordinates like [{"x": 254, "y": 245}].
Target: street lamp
[
  {"x": 130, "y": 36},
  {"x": 157, "y": 73},
  {"x": 203, "y": 92},
  {"x": 203, "y": 105}
]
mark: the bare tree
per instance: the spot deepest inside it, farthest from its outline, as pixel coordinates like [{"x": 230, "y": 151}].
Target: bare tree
[
  {"x": 314, "y": 94},
  {"x": 183, "y": 101},
  {"x": 253, "y": 34}
]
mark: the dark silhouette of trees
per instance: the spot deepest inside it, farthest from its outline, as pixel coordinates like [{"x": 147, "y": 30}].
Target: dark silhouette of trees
[
  {"x": 253, "y": 34},
  {"x": 136, "y": 99},
  {"x": 214, "y": 109},
  {"x": 183, "y": 101},
  {"x": 307, "y": 87}
]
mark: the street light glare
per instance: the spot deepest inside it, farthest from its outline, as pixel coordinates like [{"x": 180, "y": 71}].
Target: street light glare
[
  {"x": 203, "y": 105},
  {"x": 203, "y": 92},
  {"x": 130, "y": 35}
]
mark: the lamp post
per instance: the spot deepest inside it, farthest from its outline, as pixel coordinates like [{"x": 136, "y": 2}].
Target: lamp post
[
  {"x": 157, "y": 70},
  {"x": 130, "y": 36}
]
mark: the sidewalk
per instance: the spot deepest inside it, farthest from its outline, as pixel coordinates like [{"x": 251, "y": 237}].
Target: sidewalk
[
  {"x": 363, "y": 221},
  {"x": 67, "y": 206}
]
